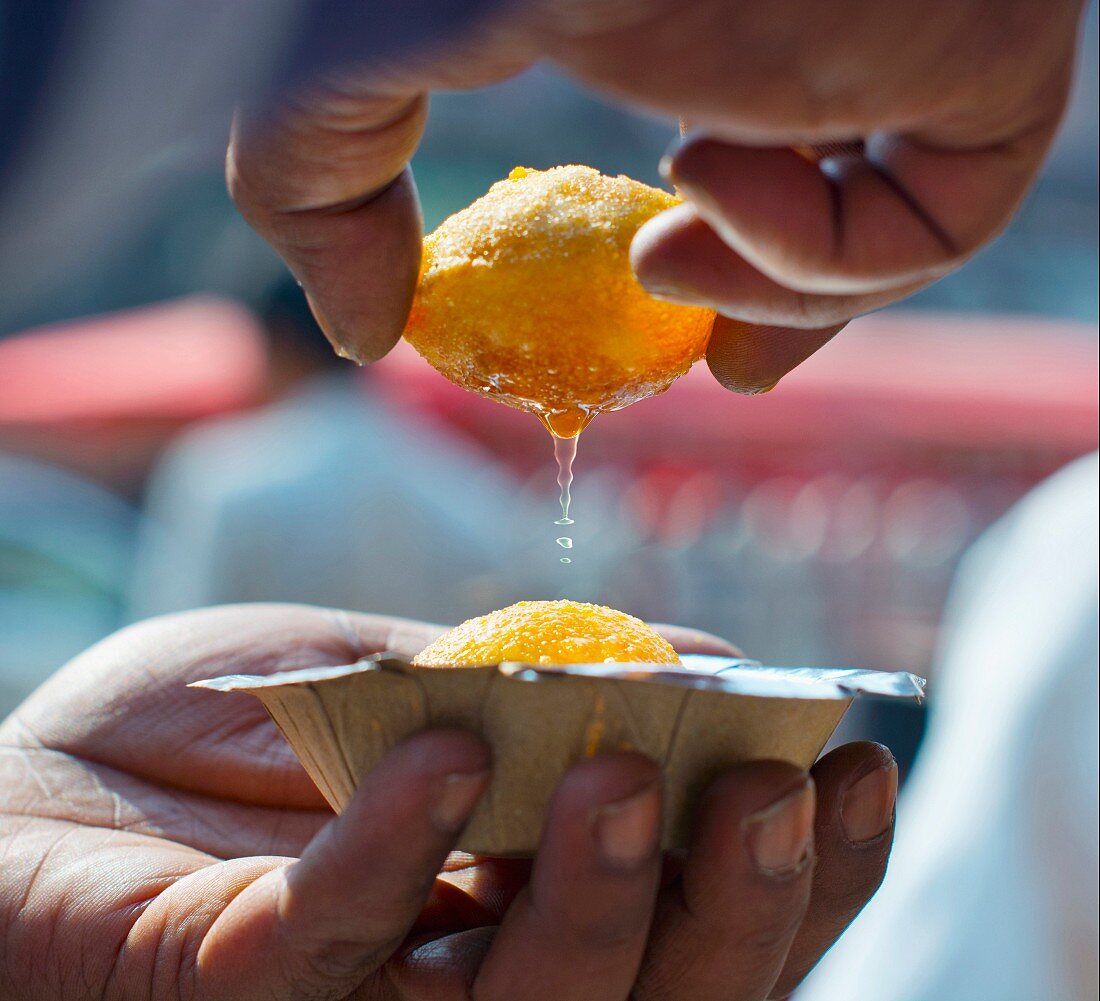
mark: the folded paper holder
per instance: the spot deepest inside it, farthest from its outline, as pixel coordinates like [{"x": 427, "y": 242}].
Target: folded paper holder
[{"x": 696, "y": 720}]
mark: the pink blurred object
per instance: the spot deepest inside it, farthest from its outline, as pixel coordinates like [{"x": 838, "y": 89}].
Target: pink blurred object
[
  {"x": 102, "y": 394},
  {"x": 180, "y": 359}
]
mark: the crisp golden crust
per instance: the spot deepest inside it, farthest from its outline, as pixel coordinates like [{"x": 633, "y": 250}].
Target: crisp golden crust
[
  {"x": 527, "y": 296},
  {"x": 550, "y": 632}
]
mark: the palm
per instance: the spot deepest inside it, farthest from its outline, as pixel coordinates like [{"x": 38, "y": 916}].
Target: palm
[{"x": 145, "y": 800}]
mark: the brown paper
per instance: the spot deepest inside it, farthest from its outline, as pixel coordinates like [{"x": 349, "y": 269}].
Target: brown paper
[{"x": 696, "y": 721}]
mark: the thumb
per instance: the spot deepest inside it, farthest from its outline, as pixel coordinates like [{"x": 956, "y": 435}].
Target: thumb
[
  {"x": 325, "y": 181},
  {"x": 321, "y": 926},
  {"x": 324, "y": 178}
]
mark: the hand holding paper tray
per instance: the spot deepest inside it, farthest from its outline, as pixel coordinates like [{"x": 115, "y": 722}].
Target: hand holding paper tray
[{"x": 696, "y": 720}]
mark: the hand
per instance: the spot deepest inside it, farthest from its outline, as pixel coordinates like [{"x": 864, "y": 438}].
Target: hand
[
  {"x": 842, "y": 155},
  {"x": 162, "y": 842}
]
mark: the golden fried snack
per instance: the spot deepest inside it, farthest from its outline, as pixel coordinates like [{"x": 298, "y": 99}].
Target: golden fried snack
[
  {"x": 527, "y": 296},
  {"x": 550, "y": 632}
]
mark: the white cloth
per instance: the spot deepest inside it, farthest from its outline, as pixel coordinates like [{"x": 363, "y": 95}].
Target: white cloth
[
  {"x": 991, "y": 894},
  {"x": 327, "y": 498}
]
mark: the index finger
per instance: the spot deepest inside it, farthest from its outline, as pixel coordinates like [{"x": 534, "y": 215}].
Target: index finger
[{"x": 687, "y": 640}]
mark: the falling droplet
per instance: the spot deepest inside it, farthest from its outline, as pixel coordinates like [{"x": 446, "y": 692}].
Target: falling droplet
[
  {"x": 565, "y": 559},
  {"x": 565, "y": 542}
]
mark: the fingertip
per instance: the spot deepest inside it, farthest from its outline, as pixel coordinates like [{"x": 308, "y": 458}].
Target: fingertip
[
  {"x": 359, "y": 265},
  {"x": 867, "y": 805},
  {"x": 750, "y": 787},
  {"x": 745, "y": 800},
  {"x": 677, "y": 257},
  {"x": 656, "y": 250},
  {"x": 436, "y": 775},
  {"x": 607, "y": 778},
  {"x": 750, "y": 359},
  {"x": 343, "y": 344},
  {"x": 846, "y": 764},
  {"x": 859, "y": 786},
  {"x": 605, "y": 816}
]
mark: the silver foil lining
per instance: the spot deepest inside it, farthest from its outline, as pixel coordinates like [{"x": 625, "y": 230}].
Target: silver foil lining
[{"x": 736, "y": 676}]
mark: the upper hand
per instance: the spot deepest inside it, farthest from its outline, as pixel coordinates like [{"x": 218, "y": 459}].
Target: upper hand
[
  {"x": 160, "y": 842},
  {"x": 945, "y": 110}
]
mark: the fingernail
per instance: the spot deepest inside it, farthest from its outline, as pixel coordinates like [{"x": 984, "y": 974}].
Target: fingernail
[
  {"x": 868, "y": 806},
  {"x": 780, "y": 836},
  {"x": 627, "y": 831},
  {"x": 458, "y": 795}
]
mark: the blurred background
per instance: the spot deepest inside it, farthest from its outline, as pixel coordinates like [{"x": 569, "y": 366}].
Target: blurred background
[{"x": 174, "y": 432}]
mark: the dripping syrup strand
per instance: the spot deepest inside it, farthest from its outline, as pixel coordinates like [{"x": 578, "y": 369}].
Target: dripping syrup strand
[{"x": 565, "y": 451}]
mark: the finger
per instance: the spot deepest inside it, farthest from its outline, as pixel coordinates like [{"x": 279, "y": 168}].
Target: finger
[
  {"x": 325, "y": 180},
  {"x": 576, "y": 933},
  {"x": 723, "y": 930},
  {"x": 763, "y": 329},
  {"x": 856, "y": 790},
  {"x": 906, "y": 211},
  {"x": 320, "y": 927},
  {"x": 687, "y": 640},
  {"x": 747, "y": 359},
  {"x": 678, "y": 257}
]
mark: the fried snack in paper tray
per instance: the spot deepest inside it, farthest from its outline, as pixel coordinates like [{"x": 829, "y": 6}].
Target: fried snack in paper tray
[{"x": 696, "y": 715}]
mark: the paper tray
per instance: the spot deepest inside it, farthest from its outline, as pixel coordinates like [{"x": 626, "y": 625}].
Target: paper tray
[{"x": 696, "y": 721}]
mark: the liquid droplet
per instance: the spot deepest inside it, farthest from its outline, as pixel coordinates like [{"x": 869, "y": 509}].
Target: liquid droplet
[
  {"x": 565, "y": 542},
  {"x": 565, "y": 559},
  {"x": 566, "y": 423}
]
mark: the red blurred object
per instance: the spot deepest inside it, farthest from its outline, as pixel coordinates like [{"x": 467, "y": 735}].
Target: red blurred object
[
  {"x": 103, "y": 394},
  {"x": 911, "y": 389}
]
